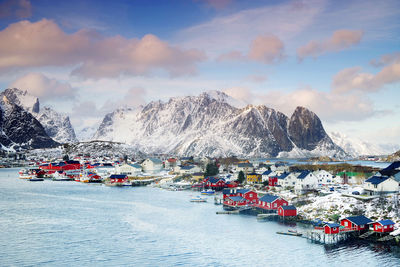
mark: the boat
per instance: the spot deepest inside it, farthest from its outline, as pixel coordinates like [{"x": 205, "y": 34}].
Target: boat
[
  {"x": 208, "y": 192},
  {"x": 25, "y": 174},
  {"x": 35, "y": 179},
  {"x": 198, "y": 199},
  {"x": 61, "y": 176}
]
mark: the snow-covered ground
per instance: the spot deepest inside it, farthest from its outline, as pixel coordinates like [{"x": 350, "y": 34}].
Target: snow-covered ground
[{"x": 326, "y": 207}]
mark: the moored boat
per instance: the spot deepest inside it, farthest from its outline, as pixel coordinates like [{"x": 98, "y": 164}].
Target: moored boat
[
  {"x": 35, "y": 179},
  {"x": 198, "y": 199},
  {"x": 208, "y": 192}
]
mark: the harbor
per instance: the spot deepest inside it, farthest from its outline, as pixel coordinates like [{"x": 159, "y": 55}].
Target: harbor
[{"x": 159, "y": 225}]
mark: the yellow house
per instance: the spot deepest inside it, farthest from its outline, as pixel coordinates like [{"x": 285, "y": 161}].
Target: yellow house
[
  {"x": 254, "y": 178},
  {"x": 198, "y": 177}
]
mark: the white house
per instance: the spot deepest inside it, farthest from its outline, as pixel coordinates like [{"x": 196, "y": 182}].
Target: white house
[
  {"x": 171, "y": 163},
  {"x": 376, "y": 185},
  {"x": 279, "y": 168},
  {"x": 187, "y": 169},
  {"x": 129, "y": 169},
  {"x": 324, "y": 177},
  {"x": 245, "y": 167},
  {"x": 287, "y": 179},
  {"x": 306, "y": 180},
  {"x": 152, "y": 165},
  {"x": 265, "y": 175}
]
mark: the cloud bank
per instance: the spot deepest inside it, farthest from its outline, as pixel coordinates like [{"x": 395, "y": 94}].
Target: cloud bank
[
  {"x": 26, "y": 44},
  {"x": 44, "y": 88}
]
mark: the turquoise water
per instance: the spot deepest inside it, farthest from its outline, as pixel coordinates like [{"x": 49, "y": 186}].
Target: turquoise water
[{"x": 72, "y": 224}]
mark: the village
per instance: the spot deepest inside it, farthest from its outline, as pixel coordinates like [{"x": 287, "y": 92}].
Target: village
[{"x": 340, "y": 204}]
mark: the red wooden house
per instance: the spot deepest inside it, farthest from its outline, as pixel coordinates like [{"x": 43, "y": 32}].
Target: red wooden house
[
  {"x": 356, "y": 222},
  {"x": 271, "y": 202},
  {"x": 383, "y": 226},
  {"x": 247, "y": 194},
  {"x": 214, "y": 182},
  {"x": 272, "y": 181},
  {"x": 287, "y": 211},
  {"x": 118, "y": 178},
  {"x": 235, "y": 201},
  {"x": 331, "y": 228}
]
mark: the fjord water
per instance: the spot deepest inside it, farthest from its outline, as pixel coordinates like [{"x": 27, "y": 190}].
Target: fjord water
[{"x": 73, "y": 224}]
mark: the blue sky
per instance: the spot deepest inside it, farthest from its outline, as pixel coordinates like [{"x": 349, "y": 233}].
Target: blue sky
[{"x": 341, "y": 59}]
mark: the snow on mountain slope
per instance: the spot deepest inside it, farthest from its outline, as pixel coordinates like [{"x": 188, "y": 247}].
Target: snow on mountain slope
[
  {"x": 19, "y": 129},
  {"x": 209, "y": 125},
  {"x": 86, "y": 133},
  {"x": 355, "y": 146},
  {"x": 56, "y": 125}
]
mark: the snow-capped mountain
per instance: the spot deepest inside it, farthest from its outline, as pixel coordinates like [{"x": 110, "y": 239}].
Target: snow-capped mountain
[
  {"x": 357, "y": 147},
  {"x": 56, "y": 125},
  {"x": 19, "y": 129},
  {"x": 210, "y": 125}
]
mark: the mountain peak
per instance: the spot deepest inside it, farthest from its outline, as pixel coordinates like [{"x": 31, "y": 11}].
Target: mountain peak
[{"x": 22, "y": 98}]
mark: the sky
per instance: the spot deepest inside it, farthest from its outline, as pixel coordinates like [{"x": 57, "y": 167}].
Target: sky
[{"x": 340, "y": 59}]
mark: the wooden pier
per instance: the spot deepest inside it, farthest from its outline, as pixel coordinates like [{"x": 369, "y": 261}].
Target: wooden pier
[
  {"x": 228, "y": 212},
  {"x": 320, "y": 236}
]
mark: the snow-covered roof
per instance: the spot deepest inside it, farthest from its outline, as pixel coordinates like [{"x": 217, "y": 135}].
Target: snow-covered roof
[{"x": 154, "y": 160}]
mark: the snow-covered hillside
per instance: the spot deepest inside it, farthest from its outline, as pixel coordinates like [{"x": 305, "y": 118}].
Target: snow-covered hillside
[
  {"x": 210, "y": 125},
  {"x": 357, "y": 147},
  {"x": 86, "y": 133}
]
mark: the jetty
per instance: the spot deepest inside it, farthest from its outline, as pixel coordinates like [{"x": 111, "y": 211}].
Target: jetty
[{"x": 290, "y": 233}]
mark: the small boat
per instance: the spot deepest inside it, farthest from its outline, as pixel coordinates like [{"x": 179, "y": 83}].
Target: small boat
[
  {"x": 25, "y": 174},
  {"x": 208, "y": 192},
  {"x": 61, "y": 176},
  {"x": 35, "y": 179},
  {"x": 198, "y": 199}
]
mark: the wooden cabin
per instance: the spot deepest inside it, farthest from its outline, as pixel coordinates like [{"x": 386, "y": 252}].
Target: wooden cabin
[
  {"x": 356, "y": 222},
  {"x": 287, "y": 211},
  {"x": 331, "y": 228},
  {"x": 271, "y": 202},
  {"x": 383, "y": 226}
]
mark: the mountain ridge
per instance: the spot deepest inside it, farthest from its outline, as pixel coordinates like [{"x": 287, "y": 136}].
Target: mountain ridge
[{"x": 209, "y": 125}]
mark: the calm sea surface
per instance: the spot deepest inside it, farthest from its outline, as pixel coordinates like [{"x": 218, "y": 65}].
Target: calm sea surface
[{"x": 72, "y": 224}]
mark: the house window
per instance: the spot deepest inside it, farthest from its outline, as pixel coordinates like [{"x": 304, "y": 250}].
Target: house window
[
  {"x": 385, "y": 227},
  {"x": 375, "y": 186},
  {"x": 346, "y": 224},
  {"x": 274, "y": 205}
]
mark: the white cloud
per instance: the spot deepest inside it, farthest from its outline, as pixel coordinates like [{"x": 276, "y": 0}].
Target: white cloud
[
  {"x": 233, "y": 32},
  {"x": 340, "y": 40},
  {"x": 45, "y": 88},
  {"x": 352, "y": 79}
]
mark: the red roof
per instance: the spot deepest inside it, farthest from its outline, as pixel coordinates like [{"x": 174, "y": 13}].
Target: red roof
[{"x": 171, "y": 160}]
